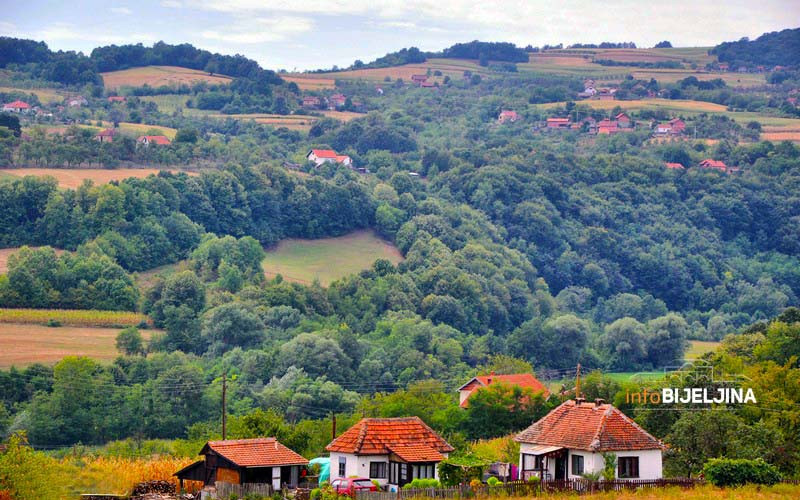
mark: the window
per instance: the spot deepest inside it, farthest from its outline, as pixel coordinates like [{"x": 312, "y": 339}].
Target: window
[
  {"x": 342, "y": 466},
  {"x": 628, "y": 467},
  {"x": 404, "y": 472},
  {"x": 377, "y": 470},
  {"x": 423, "y": 471},
  {"x": 577, "y": 465}
]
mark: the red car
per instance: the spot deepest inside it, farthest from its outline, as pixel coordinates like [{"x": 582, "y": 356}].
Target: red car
[{"x": 350, "y": 485}]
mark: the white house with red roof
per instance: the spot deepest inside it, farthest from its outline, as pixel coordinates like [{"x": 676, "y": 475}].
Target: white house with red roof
[
  {"x": 336, "y": 101},
  {"x": 392, "y": 451},
  {"x": 320, "y": 156},
  {"x": 570, "y": 441},
  {"x": 17, "y": 107},
  {"x": 524, "y": 380},
  {"x": 160, "y": 140},
  {"x": 241, "y": 461}
]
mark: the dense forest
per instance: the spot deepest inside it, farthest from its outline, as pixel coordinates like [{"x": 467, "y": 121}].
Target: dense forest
[{"x": 779, "y": 48}]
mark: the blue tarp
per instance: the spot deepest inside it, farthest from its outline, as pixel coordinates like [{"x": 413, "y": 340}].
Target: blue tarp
[{"x": 324, "y": 467}]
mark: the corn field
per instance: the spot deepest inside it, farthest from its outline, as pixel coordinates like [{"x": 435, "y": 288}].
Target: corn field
[
  {"x": 111, "y": 475},
  {"x": 72, "y": 317}
]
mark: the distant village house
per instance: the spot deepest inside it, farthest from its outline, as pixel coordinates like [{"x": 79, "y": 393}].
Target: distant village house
[
  {"x": 507, "y": 116},
  {"x": 17, "y": 107},
  {"x": 419, "y": 79},
  {"x": 524, "y": 380},
  {"x": 558, "y": 123},
  {"x": 76, "y": 102},
  {"x": 321, "y": 156},
  {"x": 313, "y": 102},
  {"x": 106, "y": 135},
  {"x": 116, "y": 98},
  {"x": 160, "y": 140},
  {"x": 336, "y": 101}
]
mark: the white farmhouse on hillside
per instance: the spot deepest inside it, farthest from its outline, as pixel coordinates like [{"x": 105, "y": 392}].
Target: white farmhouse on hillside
[
  {"x": 320, "y": 156},
  {"x": 569, "y": 441},
  {"x": 393, "y": 451}
]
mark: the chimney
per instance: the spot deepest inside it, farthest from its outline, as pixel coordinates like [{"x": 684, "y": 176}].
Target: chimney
[
  {"x": 579, "y": 401},
  {"x": 599, "y": 401},
  {"x": 491, "y": 376}
]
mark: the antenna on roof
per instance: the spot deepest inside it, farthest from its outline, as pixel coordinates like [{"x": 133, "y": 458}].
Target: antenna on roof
[{"x": 578, "y": 383}]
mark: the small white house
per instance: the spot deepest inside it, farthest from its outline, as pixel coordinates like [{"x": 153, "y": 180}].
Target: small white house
[
  {"x": 320, "y": 156},
  {"x": 570, "y": 440},
  {"x": 393, "y": 451}
]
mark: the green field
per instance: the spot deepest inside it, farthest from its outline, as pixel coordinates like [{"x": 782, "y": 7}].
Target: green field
[{"x": 327, "y": 259}]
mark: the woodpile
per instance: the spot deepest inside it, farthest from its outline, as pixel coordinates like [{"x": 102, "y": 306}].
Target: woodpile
[{"x": 153, "y": 487}]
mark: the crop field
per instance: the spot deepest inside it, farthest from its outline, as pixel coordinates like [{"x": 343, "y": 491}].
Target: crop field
[
  {"x": 73, "y": 177},
  {"x": 343, "y": 116},
  {"x": 699, "y": 347},
  {"x": 676, "y": 105},
  {"x": 5, "y": 253},
  {"x": 25, "y": 344},
  {"x": 156, "y": 76},
  {"x": 72, "y": 317},
  {"x": 167, "y": 103},
  {"x": 46, "y": 96},
  {"x": 327, "y": 259}
]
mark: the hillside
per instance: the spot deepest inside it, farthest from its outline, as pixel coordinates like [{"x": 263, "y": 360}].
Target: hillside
[{"x": 780, "y": 48}]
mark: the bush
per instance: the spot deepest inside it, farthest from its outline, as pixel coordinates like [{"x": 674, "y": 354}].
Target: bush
[
  {"x": 737, "y": 472},
  {"x": 492, "y": 481},
  {"x": 54, "y": 323}
]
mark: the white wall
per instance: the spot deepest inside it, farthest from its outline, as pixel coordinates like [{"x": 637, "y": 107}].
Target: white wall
[
  {"x": 358, "y": 466},
  {"x": 650, "y": 466}
]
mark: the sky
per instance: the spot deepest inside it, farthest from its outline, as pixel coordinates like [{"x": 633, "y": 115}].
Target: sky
[{"x": 314, "y": 34}]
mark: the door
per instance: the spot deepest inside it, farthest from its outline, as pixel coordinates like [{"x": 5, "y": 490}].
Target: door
[{"x": 561, "y": 467}]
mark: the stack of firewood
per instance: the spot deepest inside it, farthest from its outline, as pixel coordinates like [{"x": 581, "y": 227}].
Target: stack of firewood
[{"x": 153, "y": 487}]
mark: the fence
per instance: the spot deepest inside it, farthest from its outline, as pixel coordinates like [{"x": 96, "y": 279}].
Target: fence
[
  {"x": 521, "y": 488},
  {"x": 225, "y": 490}
]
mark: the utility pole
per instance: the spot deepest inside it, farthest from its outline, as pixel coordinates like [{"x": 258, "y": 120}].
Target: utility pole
[
  {"x": 224, "y": 405},
  {"x": 578, "y": 382},
  {"x": 333, "y": 426}
]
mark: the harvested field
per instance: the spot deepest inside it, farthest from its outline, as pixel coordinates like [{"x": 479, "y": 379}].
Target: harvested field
[
  {"x": 449, "y": 67},
  {"x": 344, "y": 116},
  {"x": 327, "y": 259},
  {"x": 156, "y": 76},
  {"x": 24, "y": 344},
  {"x": 789, "y": 135},
  {"x": 5, "y": 253},
  {"x": 72, "y": 317},
  {"x": 699, "y": 347},
  {"x": 677, "y": 105},
  {"x": 73, "y": 177}
]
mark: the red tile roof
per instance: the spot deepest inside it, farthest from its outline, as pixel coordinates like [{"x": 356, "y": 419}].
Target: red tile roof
[
  {"x": 17, "y": 104},
  {"x": 261, "y": 452},
  {"x": 526, "y": 380},
  {"x": 677, "y": 166},
  {"x": 558, "y": 120},
  {"x": 116, "y": 98},
  {"x": 324, "y": 153},
  {"x": 708, "y": 163},
  {"x": 591, "y": 427},
  {"x": 376, "y": 436},
  {"x": 416, "y": 453}
]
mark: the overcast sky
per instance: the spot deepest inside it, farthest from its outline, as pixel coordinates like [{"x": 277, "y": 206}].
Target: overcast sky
[{"x": 308, "y": 34}]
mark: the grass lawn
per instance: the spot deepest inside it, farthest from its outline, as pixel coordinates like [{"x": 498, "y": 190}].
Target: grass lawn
[
  {"x": 72, "y": 178},
  {"x": 327, "y": 259},
  {"x": 24, "y": 344},
  {"x": 699, "y": 347}
]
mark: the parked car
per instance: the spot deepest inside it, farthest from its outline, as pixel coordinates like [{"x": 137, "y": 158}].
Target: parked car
[{"x": 350, "y": 485}]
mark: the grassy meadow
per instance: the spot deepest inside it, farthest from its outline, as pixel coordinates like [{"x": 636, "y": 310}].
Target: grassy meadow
[
  {"x": 156, "y": 76},
  {"x": 46, "y": 96},
  {"x": 327, "y": 259}
]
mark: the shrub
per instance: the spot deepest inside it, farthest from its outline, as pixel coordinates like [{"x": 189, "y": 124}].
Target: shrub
[
  {"x": 316, "y": 493},
  {"x": 737, "y": 472},
  {"x": 493, "y": 481},
  {"x": 53, "y": 323}
]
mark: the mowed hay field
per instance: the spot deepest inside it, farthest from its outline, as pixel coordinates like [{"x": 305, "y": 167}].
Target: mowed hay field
[
  {"x": 23, "y": 344},
  {"x": 449, "y": 67},
  {"x": 72, "y": 178},
  {"x": 46, "y": 96},
  {"x": 327, "y": 259},
  {"x": 678, "y": 105},
  {"x": 156, "y": 76},
  {"x": 699, "y": 347},
  {"x": 5, "y": 253}
]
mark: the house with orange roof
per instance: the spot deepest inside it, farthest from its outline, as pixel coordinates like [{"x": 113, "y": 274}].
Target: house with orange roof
[
  {"x": 524, "y": 380},
  {"x": 392, "y": 451},
  {"x": 17, "y": 107},
  {"x": 714, "y": 165},
  {"x": 116, "y": 98},
  {"x": 241, "y": 461},
  {"x": 562, "y": 123},
  {"x": 674, "y": 166},
  {"x": 507, "y": 116},
  {"x": 623, "y": 120},
  {"x": 160, "y": 140},
  {"x": 320, "y": 156},
  {"x": 106, "y": 135},
  {"x": 570, "y": 441}
]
